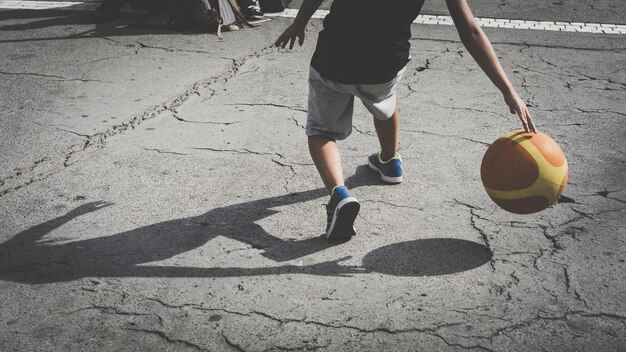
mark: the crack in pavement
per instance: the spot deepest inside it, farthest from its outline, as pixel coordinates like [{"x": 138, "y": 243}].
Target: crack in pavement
[
  {"x": 504, "y": 331},
  {"x": 138, "y": 46},
  {"x": 475, "y": 207},
  {"x": 248, "y": 151},
  {"x": 169, "y": 339},
  {"x": 474, "y": 110},
  {"x": 236, "y": 151},
  {"x": 588, "y": 215},
  {"x": 72, "y": 132},
  {"x": 293, "y": 171},
  {"x": 526, "y": 323},
  {"x": 365, "y": 133},
  {"x": 419, "y": 69},
  {"x": 485, "y": 239},
  {"x": 232, "y": 344},
  {"x": 101, "y": 137},
  {"x": 163, "y": 151},
  {"x": 524, "y": 44},
  {"x": 297, "y": 123},
  {"x": 553, "y": 239},
  {"x": 105, "y": 59},
  {"x": 294, "y": 108},
  {"x": 117, "y": 311},
  {"x": 221, "y": 123},
  {"x": 170, "y": 50},
  {"x": 577, "y": 110},
  {"x": 569, "y": 287},
  {"x": 21, "y": 171},
  {"x": 391, "y": 204},
  {"x": 471, "y": 311},
  {"x": 445, "y": 136},
  {"x": 529, "y": 101},
  {"x": 426, "y": 65},
  {"x": 577, "y": 75},
  {"x": 305, "y": 320},
  {"x": 605, "y": 194},
  {"x": 555, "y": 246},
  {"x": 53, "y": 77},
  {"x": 434, "y": 330},
  {"x": 484, "y": 236},
  {"x": 622, "y": 86},
  {"x": 478, "y": 346},
  {"x": 600, "y": 111},
  {"x": 298, "y": 348},
  {"x": 114, "y": 311}
]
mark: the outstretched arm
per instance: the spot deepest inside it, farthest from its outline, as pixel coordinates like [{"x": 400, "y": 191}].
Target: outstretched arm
[
  {"x": 298, "y": 27},
  {"x": 481, "y": 50},
  {"x": 35, "y": 233}
]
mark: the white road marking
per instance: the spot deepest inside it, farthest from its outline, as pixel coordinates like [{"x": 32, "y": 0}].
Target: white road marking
[{"x": 580, "y": 27}]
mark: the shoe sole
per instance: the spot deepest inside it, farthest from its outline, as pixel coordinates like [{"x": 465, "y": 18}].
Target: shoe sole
[
  {"x": 342, "y": 226},
  {"x": 386, "y": 179}
]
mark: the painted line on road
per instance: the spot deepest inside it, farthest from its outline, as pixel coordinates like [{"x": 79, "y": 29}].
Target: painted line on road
[
  {"x": 576, "y": 27},
  {"x": 580, "y": 27}
]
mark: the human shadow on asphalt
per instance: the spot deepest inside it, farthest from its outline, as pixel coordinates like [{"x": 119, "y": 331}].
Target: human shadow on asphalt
[{"x": 29, "y": 258}]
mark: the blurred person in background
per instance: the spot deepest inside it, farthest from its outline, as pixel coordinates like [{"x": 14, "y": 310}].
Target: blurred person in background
[
  {"x": 108, "y": 10},
  {"x": 251, "y": 10}
]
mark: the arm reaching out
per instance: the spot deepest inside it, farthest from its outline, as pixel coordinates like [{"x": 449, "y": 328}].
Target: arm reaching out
[
  {"x": 481, "y": 50},
  {"x": 298, "y": 28}
]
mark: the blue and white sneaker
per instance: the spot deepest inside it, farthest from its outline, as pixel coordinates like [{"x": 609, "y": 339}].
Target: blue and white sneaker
[
  {"x": 341, "y": 211},
  {"x": 390, "y": 171}
]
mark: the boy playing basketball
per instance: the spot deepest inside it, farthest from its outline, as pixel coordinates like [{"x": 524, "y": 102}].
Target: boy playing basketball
[{"x": 362, "y": 52}]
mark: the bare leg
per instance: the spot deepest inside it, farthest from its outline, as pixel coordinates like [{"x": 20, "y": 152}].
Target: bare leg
[
  {"x": 325, "y": 155},
  {"x": 387, "y": 131},
  {"x": 387, "y": 163}
]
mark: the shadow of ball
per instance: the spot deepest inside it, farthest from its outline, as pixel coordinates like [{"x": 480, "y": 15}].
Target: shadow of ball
[{"x": 427, "y": 257}]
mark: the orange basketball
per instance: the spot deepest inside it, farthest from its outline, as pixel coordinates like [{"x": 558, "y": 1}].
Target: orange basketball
[{"x": 524, "y": 172}]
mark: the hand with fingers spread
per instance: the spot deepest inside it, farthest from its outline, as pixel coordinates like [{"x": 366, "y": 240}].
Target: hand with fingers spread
[
  {"x": 89, "y": 207},
  {"x": 298, "y": 28},
  {"x": 517, "y": 106},
  {"x": 295, "y": 30},
  {"x": 335, "y": 268}
]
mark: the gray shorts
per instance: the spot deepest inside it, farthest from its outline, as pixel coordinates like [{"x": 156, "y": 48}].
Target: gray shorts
[{"x": 331, "y": 104}]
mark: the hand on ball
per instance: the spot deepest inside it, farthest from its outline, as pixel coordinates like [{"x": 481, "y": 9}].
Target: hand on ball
[{"x": 517, "y": 106}]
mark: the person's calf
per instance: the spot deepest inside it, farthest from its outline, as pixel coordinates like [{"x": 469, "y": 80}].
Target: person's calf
[
  {"x": 325, "y": 155},
  {"x": 387, "y": 131}
]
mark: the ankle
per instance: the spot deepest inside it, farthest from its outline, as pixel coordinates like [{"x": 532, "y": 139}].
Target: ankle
[
  {"x": 385, "y": 157},
  {"x": 331, "y": 189}
]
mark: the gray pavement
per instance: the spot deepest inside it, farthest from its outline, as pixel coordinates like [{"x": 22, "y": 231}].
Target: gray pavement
[{"x": 156, "y": 194}]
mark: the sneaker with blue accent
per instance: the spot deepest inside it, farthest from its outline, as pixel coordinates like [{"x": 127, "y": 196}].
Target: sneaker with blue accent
[
  {"x": 341, "y": 211},
  {"x": 390, "y": 171}
]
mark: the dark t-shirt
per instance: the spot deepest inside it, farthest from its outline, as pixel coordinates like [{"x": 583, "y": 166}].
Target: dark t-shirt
[{"x": 365, "y": 41}]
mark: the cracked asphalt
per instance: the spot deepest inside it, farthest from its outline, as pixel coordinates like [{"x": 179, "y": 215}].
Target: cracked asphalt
[{"x": 156, "y": 194}]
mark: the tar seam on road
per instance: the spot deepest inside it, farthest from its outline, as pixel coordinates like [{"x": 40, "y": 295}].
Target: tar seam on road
[{"x": 580, "y": 27}]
